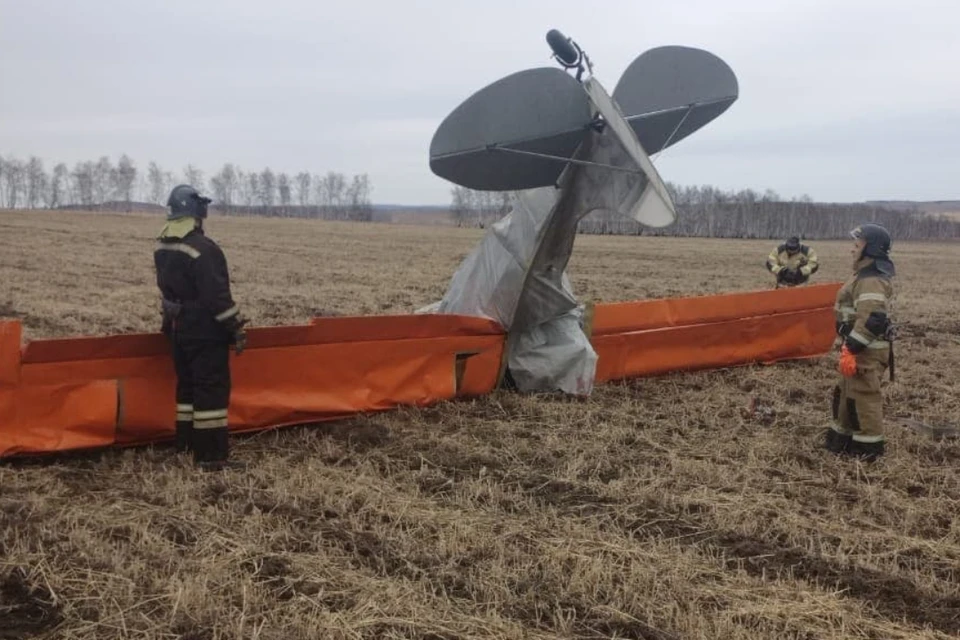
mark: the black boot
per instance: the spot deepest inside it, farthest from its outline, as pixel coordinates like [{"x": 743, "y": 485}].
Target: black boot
[
  {"x": 222, "y": 465},
  {"x": 867, "y": 451},
  {"x": 836, "y": 442},
  {"x": 184, "y": 438},
  {"x": 212, "y": 450}
]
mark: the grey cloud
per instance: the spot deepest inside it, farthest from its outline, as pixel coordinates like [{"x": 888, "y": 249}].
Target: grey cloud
[{"x": 360, "y": 87}]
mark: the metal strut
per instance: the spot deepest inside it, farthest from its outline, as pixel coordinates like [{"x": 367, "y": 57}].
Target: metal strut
[
  {"x": 494, "y": 147},
  {"x": 679, "y": 124}
]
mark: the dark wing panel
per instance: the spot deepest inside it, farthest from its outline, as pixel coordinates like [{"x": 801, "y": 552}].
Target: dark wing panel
[
  {"x": 494, "y": 170},
  {"x": 657, "y": 90},
  {"x": 656, "y": 130},
  {"x": 539, "y": 110}
]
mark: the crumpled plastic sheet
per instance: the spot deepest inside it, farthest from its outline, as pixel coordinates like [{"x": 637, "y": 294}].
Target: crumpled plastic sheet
[
  {"x": 517, "y": 274},
  {"x": 549, "y": 350}
]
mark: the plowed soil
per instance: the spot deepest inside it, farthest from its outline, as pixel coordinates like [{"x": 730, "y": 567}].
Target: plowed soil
[{"x": 692, "y": 505}]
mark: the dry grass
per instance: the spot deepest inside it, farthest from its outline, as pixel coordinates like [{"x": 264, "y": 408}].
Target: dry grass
[{"x": 661, "y": 508}]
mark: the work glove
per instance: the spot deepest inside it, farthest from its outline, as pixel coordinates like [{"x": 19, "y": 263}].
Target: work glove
[
  {"x": 166, "y": 324},
  {"x": 848, "y": 362},
  {"x": 239, "y": 333},
  {"x": 240, "y": 340}
]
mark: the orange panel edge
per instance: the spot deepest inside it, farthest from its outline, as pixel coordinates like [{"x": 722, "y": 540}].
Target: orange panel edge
[
  {"x": 625, "y": 335},
  {"x": 11, "y": 333}
]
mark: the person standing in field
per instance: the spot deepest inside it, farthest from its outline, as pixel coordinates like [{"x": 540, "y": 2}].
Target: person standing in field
[
  {"x": 792, "y": 263},
  {"x": 201, "y": 321},
  {"x": 863, "y": 308}
]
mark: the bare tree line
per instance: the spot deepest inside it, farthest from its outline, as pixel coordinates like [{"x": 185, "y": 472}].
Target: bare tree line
[
  {"x": 704, "y": 211},
  {"x": 709, "y": 212},
  {"x": 101, "y": 184},
  {"x": 471, "y": 208}
]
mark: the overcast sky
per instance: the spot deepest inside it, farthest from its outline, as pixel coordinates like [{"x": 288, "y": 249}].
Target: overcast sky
[{"x": 844, "y": 100}]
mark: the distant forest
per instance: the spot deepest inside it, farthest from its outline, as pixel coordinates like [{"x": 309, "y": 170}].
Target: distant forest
[
  {"x": 704, "y": 211},
  {"x": 103, "y": 185},
  {"x": 708, "y": 212}
]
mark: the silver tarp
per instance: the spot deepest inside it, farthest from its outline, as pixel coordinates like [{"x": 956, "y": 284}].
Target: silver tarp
[{"x": 517, "y": 274}]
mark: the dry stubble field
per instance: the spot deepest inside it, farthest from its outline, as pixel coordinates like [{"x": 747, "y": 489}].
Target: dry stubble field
[{"x": 686, "y": 506}]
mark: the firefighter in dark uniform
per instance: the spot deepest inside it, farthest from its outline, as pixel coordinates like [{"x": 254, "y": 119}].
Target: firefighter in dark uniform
[
  {"x": 792, "y": 263},
  {"x": 863, "y": 310},
  {"x": 202, "y": 321}
]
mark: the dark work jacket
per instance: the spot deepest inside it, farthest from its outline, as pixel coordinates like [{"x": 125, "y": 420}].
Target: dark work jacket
[{"x": 192, "y": 274}]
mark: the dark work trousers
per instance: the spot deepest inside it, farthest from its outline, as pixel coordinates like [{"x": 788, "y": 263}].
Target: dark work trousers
[{"x": 203, "y": 396}]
